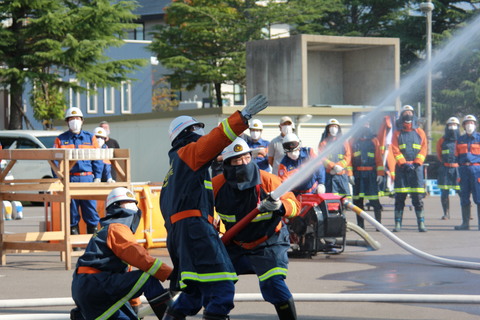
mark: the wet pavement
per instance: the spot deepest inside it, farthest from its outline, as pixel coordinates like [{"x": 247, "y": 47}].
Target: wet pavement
[{"x": 358, "y": 270}]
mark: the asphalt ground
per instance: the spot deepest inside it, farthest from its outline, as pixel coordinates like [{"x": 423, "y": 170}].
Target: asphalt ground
[{"x": 358, "y": 270}]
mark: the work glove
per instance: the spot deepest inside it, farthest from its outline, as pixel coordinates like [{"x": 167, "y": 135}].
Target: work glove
[
  {"x": 269, "y": 204},
  {"x": 379, "y": 180},
  {"x": 351, "y": 179},
  {"x": 408, "y": 167},
  {"x": 254, "y": 106},
  {"x": 110, "y": 180},
  {"x": 97, "y": 180},
  {"x": 320, "y": 189},
  {"x": 336, "y": 169},
  {"x": 415, "y": 165}
]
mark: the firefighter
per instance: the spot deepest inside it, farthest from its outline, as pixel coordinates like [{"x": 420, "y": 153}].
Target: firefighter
[
  {"x": 260, "y": 145},
  {"x": 101, "y": 136},
  {"x": 261, "y": 247},
  {"x": 368, "y": 171},
  {"x": 202, "y": 268},
  {"x": 295, "y": 156},
  {"x": 467, "y": 151},
  {"x": 337, "y": 164},
  {"x": 102, "y": 282},
  {"x": 83, "y": 170},
  {"x": 409, "y": 147},
  {"x": 448, "y": 171}
]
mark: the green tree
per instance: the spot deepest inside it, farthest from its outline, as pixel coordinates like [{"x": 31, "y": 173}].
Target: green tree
[{"x": 44, "y": 39}]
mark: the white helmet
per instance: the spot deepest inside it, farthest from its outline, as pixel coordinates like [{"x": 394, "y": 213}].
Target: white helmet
[
  {"x": 256, "y": 124},
  {"x": 469, "y": 117},
  {"x": 236, "y": 148},
  {"x": 100, "y": 132},
  {"x": 453, "y": 120},
  {"x": 73, "y": 112},
  {"x": 120, "y": 194},
  {"x": 290, "y": 142},
  {"x": 333, "y": 121},
  {"x": 181, "y": 123},
  {"x": 407, "y": 108}
]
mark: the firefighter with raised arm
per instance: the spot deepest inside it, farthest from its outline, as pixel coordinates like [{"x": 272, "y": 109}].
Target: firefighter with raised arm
[
  {"x": 368, "y": 171},
  {"x": 409, "y": 147},
  {"x": 261, "y": 247},
  {"x": 338, "y": 163},
  {"x": 467, "y": 152},
  {"x": 103, "y": 282},
  {"x": 202, "y": 269},
  {"x": 295, "y": 156},
  {"x": 448, "y": 172}
]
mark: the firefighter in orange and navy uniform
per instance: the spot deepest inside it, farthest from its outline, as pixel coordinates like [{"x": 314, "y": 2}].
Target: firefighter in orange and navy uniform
[
  {"x": 261, "y": 247},
  {"x": 368, "y": 171},
  {"x": 103, "y": 282},
  {"x": 409, "y": 147},
  {"x": 83, "y": 170},
  {"x": 467, "y": 151},
  {"x": 448, "y": 176},
  {"x": 202, "y": 268},
  {"x": 337, "y": 164}
]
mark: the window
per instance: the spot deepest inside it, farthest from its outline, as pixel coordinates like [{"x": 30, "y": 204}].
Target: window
[
  {"x": 73, "y": 97},
  {"x": 238, "y": 95},
  {"x": 138, "y": 33},
  {"x": 92, "y": 99},
  {"x": 109, "y": 99},
  {"x": 126, "y": 97}
]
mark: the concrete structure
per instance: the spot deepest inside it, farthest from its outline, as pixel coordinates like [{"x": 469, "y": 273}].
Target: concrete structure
[{"x": 315, "y": 70}]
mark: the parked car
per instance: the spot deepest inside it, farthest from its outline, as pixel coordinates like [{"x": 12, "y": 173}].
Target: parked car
[{"x": 29, "y": 139}]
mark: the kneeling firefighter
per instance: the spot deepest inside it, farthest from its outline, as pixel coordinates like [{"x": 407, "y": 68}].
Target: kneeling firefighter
[
  {"x": 261, "y": 247},
  {"x": 102, "y": 282}
]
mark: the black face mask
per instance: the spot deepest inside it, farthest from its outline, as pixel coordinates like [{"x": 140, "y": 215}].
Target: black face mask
[
  {"x": 242, "y": 177},
  {"x": 136, "y": 220},
  {"x": 407, "y": 118}
]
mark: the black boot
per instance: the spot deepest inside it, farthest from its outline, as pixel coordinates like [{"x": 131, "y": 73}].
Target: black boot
[
  {"x": 91, "y": 229},
  {"x": 378, "y": 215},
  {"x": 421, "y": 220},
  {"x": 398, "y": 220},
  {"x": 160, "y": 304},
  {"x": 212, "y": 316},
  {"x": 465, "y": 219},
  {"x": 173, "y": 314},
  {"x": 360, "y": 222},
  {"x": 75, "y": 314},
  {"x": 446, "y": 207},
  {"x": 286, "y": 310},
  {"x": 74, "y": 229}
]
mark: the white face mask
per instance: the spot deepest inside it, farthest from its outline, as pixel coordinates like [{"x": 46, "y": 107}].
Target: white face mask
[
  {"x": 294, "y": 154},
  {"x": 470, "y": 128},
  {"x": 255, "y": 134},
  {"x": 75, "y": 125},
  {"x": 452, "y": 126},
  {"x": 333, "y": 131},
  {"x": 199, "y": 131},
  {"x": 101, "y": 141},
  {"x": 286, "y": 129},
  {"x": 129, "y": 206}
]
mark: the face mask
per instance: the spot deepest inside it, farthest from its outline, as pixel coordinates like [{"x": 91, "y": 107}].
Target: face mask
[
  {"x": 101, "y": 141},
  {"x": 129, "y": 206},
  {"x": 407, "y": 118},
  {"x": 286, "y": 129},
  {"x": 75, "y": 125},
  {"x": 255, "y": 135},
  {"x": 470, "y": 128},
  {"x": 452, "y": 127},
  {"x": 242, "y": 177},
  {"x": 333, "y": 131},
  {"x": 294, "y": 154}
]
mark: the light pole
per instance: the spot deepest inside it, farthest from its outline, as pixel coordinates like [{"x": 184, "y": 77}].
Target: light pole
[{"x": 427, "y": 8}]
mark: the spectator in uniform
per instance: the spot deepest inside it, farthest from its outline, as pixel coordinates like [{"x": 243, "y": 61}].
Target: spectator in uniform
[
  {"x": 409, "y": 147},
  {"x": 261, "y": 247},
  {"x": 448, "y": 171},
  {"x": 101, "y": 136},
  {"x": 110, "y": 142},
  {"x": 258, "y": 145},
  {"x": 467, "y": 151},
  {"x": 202, "y": 269},
  {"x": 275, "y": 147}
]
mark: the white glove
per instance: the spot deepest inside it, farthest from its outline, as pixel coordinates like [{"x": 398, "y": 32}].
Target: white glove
[
  {"x": 336, "y": 169},
  {"x": 254, "y": 106},
  {"x": 379, "y": 180},
  {"x": 269, "y": 204},
  {"x": 97, "y": 180},
  {"x": 110, "y": 180},
  {"x": 320, "y": 189},
  {"x": 351, "y": 179}
]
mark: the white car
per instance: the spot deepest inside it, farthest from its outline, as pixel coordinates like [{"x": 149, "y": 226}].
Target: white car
[{"x": 29, "y": 139}]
